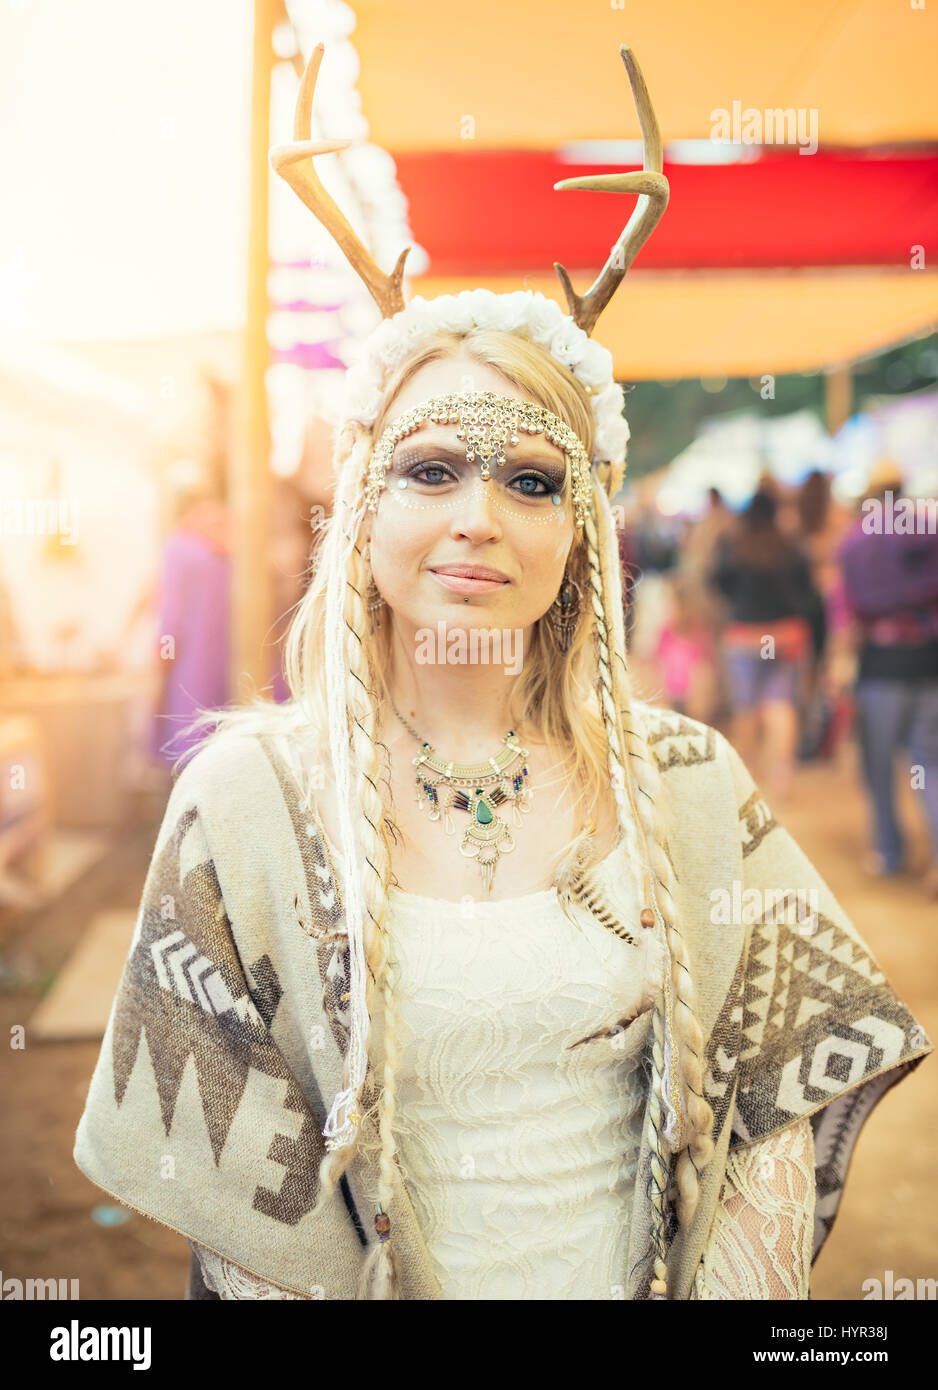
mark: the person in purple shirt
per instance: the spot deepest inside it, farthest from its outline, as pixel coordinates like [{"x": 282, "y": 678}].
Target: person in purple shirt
[
  {"x": 890, "y": 586},
  {"x": 194, "y": 623}
]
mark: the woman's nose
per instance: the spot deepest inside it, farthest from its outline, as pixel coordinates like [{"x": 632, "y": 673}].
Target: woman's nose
[{"x": 477, "y": 515}]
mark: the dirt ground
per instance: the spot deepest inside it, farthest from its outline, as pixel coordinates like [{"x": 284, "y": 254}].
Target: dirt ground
[
  {"x": 46, "y": 1224},
  {"x": 888, "y": 1218}
]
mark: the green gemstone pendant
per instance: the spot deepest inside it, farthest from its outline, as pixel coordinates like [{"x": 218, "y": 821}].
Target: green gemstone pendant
[
  {"x": 487, "y": 837},
  {"x": 457, "y": 787}
]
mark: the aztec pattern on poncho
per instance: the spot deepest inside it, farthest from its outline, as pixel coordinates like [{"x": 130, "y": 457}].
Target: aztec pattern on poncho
[{"x": 226, "y": 1038}]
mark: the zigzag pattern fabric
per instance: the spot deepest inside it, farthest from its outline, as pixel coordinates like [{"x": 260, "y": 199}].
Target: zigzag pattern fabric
[{"x": 229, "y": 1027}]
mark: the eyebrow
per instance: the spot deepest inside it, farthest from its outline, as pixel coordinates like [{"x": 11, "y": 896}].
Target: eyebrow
[{"x": 458, "y": 455}]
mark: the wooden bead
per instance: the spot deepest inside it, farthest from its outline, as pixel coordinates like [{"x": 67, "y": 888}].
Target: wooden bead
[
  {"x": 383, "y": 1223},
  {"x": 647, "y": 918},
  {"x": 659, "y": 1286}
]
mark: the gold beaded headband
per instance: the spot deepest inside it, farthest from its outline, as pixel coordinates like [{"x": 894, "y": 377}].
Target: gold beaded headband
[{"x": 486, "y": 422}]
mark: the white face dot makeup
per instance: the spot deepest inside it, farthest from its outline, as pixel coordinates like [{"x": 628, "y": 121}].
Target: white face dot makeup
[{"x": 555, "y": 517}]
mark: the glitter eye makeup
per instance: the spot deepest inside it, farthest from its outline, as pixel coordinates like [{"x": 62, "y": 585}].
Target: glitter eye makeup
[
  {"x": 426, "y": 464},
  {"x": 428, "y": 476},
  {"x": 438, "y": 468},
  {"x": 540, "y": 486}
]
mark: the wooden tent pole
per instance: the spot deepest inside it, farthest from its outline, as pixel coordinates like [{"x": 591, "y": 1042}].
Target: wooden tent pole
[
  {"x": 251, "y": 488},
  {"x": 838, "y": 394}
]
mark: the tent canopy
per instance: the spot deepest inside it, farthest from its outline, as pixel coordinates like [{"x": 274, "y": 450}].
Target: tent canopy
[
  {"x": 778, "y": 257},
  {"x": 538, "y": 76},
  {"x": 666, "y": 326}
]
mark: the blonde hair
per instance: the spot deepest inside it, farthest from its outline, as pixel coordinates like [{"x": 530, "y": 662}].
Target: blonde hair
[{"x": 554, "y": 693}]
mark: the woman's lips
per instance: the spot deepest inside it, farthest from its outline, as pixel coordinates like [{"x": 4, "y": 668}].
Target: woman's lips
[{"x": 461, "y": 585}]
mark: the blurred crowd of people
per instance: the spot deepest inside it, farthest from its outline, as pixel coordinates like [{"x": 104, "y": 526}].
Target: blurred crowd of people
[{"x": 791, "y": 622}]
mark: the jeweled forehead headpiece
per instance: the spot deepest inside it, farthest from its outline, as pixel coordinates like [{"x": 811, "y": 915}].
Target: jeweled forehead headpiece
[
  {"x": 566, "y": 337},
  {"x": 486, "y": 422}
]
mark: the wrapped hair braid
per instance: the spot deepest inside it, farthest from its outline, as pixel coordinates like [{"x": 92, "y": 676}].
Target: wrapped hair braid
[
  {"x": 641, "y": 785},
  {"x": 629, "y": 820},
  {"x": 698, "y": 1141},
  {"x": 660, "y": 1156},
  {"x": 617, "y": 767},
  {"x": 335, "y": 1161},
  {"x": 379, "y": 1278},
  {"x": 380, "y": 1275},
  {"x": 697, "y": 1148}
]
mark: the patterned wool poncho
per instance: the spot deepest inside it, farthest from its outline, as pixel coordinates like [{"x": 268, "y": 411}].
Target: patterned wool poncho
[{"x": 226, "y": 1039}]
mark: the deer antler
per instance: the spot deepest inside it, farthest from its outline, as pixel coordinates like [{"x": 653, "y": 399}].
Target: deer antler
[
  {"x": 650, "y": 182},
  {"x": 294, "y": 163}
]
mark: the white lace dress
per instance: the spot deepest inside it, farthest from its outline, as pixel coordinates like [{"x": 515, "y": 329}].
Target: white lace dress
[
  {"x": 520, "y": 1092},
  {"x": 519, "y": 1103}
]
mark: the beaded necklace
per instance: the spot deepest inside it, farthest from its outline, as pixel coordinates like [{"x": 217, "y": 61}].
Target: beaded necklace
[{"x": 477, "y": 788}]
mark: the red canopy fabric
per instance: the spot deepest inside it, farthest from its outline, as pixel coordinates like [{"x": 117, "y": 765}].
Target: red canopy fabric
[{"x": 485, "y": 212}]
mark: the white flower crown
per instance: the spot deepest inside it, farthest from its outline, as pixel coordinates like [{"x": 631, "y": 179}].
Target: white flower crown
[{"x": 523, "y": 311}]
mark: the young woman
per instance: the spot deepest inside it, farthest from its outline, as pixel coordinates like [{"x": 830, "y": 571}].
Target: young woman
[
  {"x": 766, "y": 581},
  {"x": 464, "y": 975}
]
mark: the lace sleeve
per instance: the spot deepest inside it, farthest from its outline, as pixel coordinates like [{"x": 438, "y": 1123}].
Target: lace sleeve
[
  {"x": 761, "y": 1241},
  {"x": 231, "y": 1281}
]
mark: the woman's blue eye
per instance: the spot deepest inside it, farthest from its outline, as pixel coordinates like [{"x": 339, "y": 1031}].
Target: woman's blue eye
[
  {"x": 429, "y": 468},
  {"x": 536, "y": 478}
]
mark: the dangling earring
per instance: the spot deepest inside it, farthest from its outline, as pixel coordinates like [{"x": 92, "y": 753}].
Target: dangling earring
[
  {"x": 564, "y": 613},
  {"x": 373, "y": 600}
]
